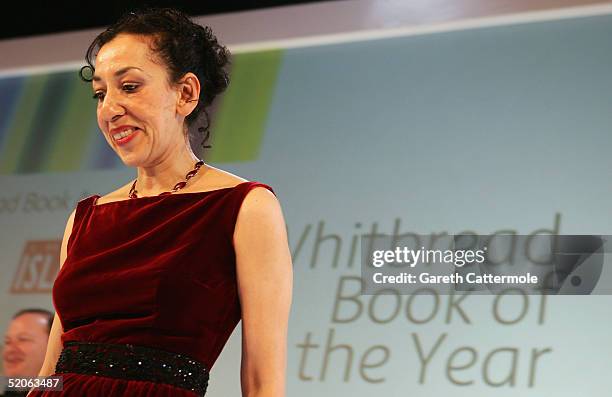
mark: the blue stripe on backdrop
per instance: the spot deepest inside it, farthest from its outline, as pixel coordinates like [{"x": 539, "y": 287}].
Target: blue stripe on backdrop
[
  {"x": 10, "y": 91},
  {"x": 101, "y": 156}
]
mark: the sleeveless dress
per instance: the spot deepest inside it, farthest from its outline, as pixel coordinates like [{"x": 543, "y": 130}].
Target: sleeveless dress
[{"x": 156, "y": 271}]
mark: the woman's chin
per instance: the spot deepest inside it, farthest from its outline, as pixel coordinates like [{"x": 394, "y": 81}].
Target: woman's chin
[{"x": 130, "y": 160}]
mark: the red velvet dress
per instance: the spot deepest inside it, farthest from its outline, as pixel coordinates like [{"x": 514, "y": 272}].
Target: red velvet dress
[{"x": 155, "y": 271}]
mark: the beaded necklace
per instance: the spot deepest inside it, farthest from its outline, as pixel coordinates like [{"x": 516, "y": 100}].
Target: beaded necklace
[{"x": 178, "y": 186}]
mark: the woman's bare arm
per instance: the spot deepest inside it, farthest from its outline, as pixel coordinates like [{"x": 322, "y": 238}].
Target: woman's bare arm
[
  {"x": 265, "y": 282},
  {"x": 54, "y": 346}
]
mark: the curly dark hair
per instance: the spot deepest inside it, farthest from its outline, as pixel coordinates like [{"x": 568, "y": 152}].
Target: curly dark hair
[{"x": 183, "y": 45}]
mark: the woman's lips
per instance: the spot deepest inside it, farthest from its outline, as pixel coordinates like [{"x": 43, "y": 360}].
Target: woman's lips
[{"x": 127, "y": 139}]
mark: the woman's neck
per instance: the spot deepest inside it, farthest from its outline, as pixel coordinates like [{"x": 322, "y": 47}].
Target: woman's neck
[{"x": 166, "y": 173}]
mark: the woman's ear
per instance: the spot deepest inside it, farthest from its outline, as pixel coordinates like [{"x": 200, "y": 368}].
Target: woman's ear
[{"x": 188, "y": 94}]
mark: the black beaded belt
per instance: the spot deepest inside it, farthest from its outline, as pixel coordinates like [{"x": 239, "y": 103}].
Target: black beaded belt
[{"x": 133, "y": 363}]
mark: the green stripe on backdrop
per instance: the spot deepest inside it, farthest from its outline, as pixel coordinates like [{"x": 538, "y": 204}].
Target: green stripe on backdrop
[
  {"x": 72, "y": 133},
  {"x": 238, "y": 127},
  {"x": 20, "y": 128},
  {"x": 48, "y": 112}
]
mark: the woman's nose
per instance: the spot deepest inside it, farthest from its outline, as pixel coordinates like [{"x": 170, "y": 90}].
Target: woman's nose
[{"x": 111, "y": 108}]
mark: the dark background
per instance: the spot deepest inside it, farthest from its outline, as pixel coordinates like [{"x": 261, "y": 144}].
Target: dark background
[{"x": 29, "y": 18}]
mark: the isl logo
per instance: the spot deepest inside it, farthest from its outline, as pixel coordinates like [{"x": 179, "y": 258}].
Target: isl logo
[{"x": 38, "y": 266}]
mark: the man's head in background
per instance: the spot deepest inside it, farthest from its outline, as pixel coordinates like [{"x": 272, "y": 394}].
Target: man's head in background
[{"x": 25, "y": 342}]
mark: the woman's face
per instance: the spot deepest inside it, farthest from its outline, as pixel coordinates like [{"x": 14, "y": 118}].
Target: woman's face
[{"x": 134, "y": 97}]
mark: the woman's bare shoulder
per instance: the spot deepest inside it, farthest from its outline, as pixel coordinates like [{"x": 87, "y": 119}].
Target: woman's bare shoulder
[{"x": 214, "y": 178}]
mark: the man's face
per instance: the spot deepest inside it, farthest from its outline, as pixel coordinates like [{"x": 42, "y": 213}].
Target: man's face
[{"x": 25, "y": 344}]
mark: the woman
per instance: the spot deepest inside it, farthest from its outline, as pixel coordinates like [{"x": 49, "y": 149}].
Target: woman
[{"x": 155, "y": 276}]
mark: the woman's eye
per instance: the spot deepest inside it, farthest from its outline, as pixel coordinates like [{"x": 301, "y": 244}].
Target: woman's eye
[
  {"x": 129, "y": 87},
  {"x": 99, "y": 95}
]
